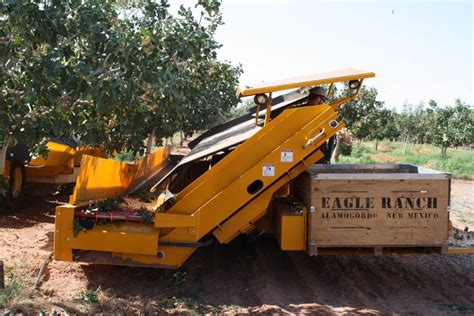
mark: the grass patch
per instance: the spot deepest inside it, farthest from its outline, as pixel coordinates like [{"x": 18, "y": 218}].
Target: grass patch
[
  {"x": 89, "y": 297},
  {"x": 17, "y": 279},
  {"x": 184, "y": 293},
  {"x": 458, "y": 162},
  {"x": 461, "y": 309}
]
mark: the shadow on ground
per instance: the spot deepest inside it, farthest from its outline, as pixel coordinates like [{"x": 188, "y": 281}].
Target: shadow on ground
[
  {"x": 37, "y": 205},
  {"x": 250, "y": 275}
]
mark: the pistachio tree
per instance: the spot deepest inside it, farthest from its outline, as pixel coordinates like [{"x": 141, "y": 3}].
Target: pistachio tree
[
  {"x": 110, "y": 72},
  {"x": 385, "y": 125},
  {"x": 452, "y": 125},
  {"x": 361, "y": 113}
]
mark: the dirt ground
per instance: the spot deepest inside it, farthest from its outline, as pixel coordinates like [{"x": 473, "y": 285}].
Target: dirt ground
[
  {"x": 243, "y": 277},
  {"x": 462, "y": 206}
]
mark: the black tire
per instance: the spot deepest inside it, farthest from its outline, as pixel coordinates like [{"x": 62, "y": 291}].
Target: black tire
[{"x": 16, "y": 182}]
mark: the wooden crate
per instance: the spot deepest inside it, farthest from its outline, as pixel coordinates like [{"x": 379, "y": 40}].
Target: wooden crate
[{"x": 374, "y": 206}]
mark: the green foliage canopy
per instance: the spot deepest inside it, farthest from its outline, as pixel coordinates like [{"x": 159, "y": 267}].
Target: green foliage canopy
[
  {"x": 452, "y": 125},
  {"x": 385, "y": 125},
  {"x": 110, "y": 72},
  {"x": 415, "y": 123},
  {"x": 361, "y": 113},
  {"x": 446, "y": 126}
]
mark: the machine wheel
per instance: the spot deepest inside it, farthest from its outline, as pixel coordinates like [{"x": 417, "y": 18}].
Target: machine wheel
[{"x": 16, "y": 181}]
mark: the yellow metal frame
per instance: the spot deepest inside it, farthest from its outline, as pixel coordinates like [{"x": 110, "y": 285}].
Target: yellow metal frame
[
  {"x": 317, "y": 79},
  {"x": 268, "y": 111},
  {"x": 342, "y": 75},
  {"x": 335, "y": 105},
  {"x": 461, "y": 251},
  {"x": 123, "y": 238},
  {"x": 101, "y": 178}
]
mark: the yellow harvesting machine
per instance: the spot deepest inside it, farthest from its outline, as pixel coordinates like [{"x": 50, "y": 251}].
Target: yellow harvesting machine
[
  {"x": 265, "y": 171},
  {"x": 61, "y": 166},
  {"x": 236, "y": 178}
]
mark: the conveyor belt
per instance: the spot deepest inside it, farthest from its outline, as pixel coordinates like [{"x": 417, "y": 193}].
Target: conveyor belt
[{"x": 230, "y": 134}]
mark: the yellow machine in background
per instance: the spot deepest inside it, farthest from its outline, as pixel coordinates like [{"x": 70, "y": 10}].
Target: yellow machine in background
[
  {"x": 235, "y": 178},
  {"x": 61, "y": 166}
]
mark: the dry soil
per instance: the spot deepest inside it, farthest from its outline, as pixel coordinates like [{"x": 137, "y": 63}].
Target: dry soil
[{"x": 247, "y": 276}]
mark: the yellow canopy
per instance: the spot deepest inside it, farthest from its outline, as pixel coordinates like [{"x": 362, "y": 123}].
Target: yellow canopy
[{"x": 305, "y": 81}]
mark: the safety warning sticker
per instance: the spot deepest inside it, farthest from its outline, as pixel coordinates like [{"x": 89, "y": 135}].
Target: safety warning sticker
[
  {"x": 286, "y": 155},
  {"x": 268, "y": 170}
]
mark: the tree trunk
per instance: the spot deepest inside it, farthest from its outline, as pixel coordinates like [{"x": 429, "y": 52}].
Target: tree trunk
[
  {"x": 376, "y": 144},
  {"x": 149, "y": 142},
  {"x": 2, "y": 275},
  {"x": 405, "y": 145},
  {"x": 182, "y": 138},
  {"x": 337, "y": 149},
  {"x": 171, "y": 139},
  {"x": 444, "y": 151},
  {"x": 3, "y": 154}
]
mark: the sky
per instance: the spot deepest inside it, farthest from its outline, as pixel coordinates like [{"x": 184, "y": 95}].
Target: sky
[{"x": 419, "y": 50}]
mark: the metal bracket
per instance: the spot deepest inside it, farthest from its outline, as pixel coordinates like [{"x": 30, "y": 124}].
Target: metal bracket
[{"x": 312, "y": 140}]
